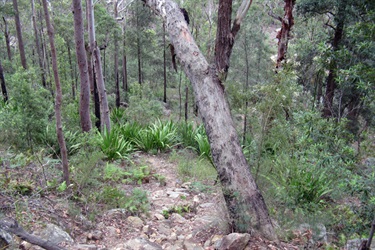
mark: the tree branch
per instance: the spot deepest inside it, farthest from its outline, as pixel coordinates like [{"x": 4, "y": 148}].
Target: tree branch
[
  {"x": 241, "y": 13},
  {"x": 11, "y": 226}
]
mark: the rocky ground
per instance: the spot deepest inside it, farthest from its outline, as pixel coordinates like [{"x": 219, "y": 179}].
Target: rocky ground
[{"x": 180, "y": 217}]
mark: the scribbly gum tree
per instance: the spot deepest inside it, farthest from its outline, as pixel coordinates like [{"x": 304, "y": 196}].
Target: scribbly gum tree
[{"x": 246, "y": 206}]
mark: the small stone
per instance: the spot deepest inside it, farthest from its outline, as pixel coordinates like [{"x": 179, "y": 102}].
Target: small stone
[
  {"x": 204, "y": 205},
  {"x": 159, "y": 216},
  {"x": 191, "y": 245},
  {"x": 96, "y": 235},
  {"x": 85, "y": 247},
  {"x": 186, "y": 185},
  {"x": 234, "y": 241},
  {"x": 173, "y": 236},
  {"x": 134, "y": 221},
  {"x": 176, "y": 218}
]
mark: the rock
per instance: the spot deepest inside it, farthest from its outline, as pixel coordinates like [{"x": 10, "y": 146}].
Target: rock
[
  {"x": 135, "y": 222},
  {"x": 234, "y": 241},
  {"x": 191, "y": 245},
  {"x": 159, "y": 216},
  {"x": 5, "y": 239},
  {"x": 163, "y": 229},
  {"x": 95, "y": 235},
  {"x": 114, "y": 212},
  {"x": 138, "y": 244},
  {"x": 204, "y": 205},
  {"x": 186, "y": 185},
  {"x": 319, "y": 231},
  {"x": 176, "y": 218},
  {"x": 111, "y": 231},
  {"x": 355, "y": 243},
  {"x": 216, "y": 240},
  {"x": 175, "y": 195},
  {"x": 84, "y": 247},
  {"x": 55, "y": 235}
]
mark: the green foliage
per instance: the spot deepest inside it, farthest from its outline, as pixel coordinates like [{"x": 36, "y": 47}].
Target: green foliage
[
  {"x": 179, "y": 209},
  {"x": 159, "y": 136},
  {"x": 114, "y": 173},
  {"x": 142, "y": 110},
  {"x": 24, "y": 119},
  {"x": 113, "y": 144},
  {"x": 204, "y": 148},
  {"x": 190, "y": 167},
  {"x": 136, "y": 203}
]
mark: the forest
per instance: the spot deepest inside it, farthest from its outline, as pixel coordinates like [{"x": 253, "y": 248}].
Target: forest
[{"x": 187, "y": 124}]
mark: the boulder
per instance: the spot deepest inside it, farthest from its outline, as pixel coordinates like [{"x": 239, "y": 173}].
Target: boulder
[{"x": 234, "y": 241}]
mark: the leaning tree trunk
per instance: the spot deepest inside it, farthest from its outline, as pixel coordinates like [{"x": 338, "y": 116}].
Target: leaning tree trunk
[
  {"x": 3, "y": 86},
  {"x": 84, "y": 103},
  {"x": 244, "y": 201},
  {"x": 19, "y": 35},
  {"x": 104, "y": 109},
  {"x": 58, "y": 100}
]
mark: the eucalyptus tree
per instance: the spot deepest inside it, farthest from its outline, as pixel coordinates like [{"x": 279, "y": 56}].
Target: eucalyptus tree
[
  {"x": 19, "y": 35},
  {"x": 58, "y": 97},
  {"x": 7, "y": 39},
  {"x": 79, "y": 38},
  {"x": 95, "y": 52},
  {"x": 37, "y": 44},
  {"x": 245, "y": 203},
  {"x": 3, "y": 85},
  {"x": 347, "y": 55}
]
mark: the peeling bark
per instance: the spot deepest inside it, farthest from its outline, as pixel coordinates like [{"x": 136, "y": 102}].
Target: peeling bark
[
  {"x": 95, "y": 52},
  {"x": 247, "y": 209},
  {"x": 284, "y": 34}
]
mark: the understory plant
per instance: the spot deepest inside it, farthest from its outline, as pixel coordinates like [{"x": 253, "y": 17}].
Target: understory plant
[{"x": 113, "y": 144}]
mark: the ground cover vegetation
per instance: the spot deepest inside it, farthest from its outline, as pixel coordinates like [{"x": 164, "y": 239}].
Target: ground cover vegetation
[{"x": 311, "y": 156}]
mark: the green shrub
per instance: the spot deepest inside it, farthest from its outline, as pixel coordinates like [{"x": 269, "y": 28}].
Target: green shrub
[
  {"x": 24, "y": 119},
  {"x": 160, "y": 136},
  {"x": 113, "y": 144},
  {"x": 114, "y": 173}
]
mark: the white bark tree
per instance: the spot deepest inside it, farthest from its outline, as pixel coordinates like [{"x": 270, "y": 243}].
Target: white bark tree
[
  {"x": 104, "y": 109},
  {"x": 245, "y": 203}
]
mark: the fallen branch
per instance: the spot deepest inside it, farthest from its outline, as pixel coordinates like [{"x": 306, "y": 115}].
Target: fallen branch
[{"x": 11, "y": 226}]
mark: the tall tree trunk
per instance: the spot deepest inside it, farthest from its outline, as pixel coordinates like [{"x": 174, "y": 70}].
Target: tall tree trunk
[
  {"x": 164, "y": 68},
  {"x": 117, "y": 83},
  {"x": 139, "y": 52},
  {"x": 58, "y": 100},
  {"x": 3, "y": 86},
  {"x": 104, "y": 109},
  {"x": 246, "y": 89},
  {"x": 7, "y": 41},
  {"x": 19, "y": 35},
  {"x": 37, "y": 44},
  {"x": 226, "y": 34},
  {"x": 244, "y": 201},
  {"x": 84, "y": 104},
  {"x": 331, "y": 79},
  {"x": 186, "y": 103},
  {"x": 72, "y": 71},
  {"x": 284, "y": 34},
  {"x": 124, "y": 64}
]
